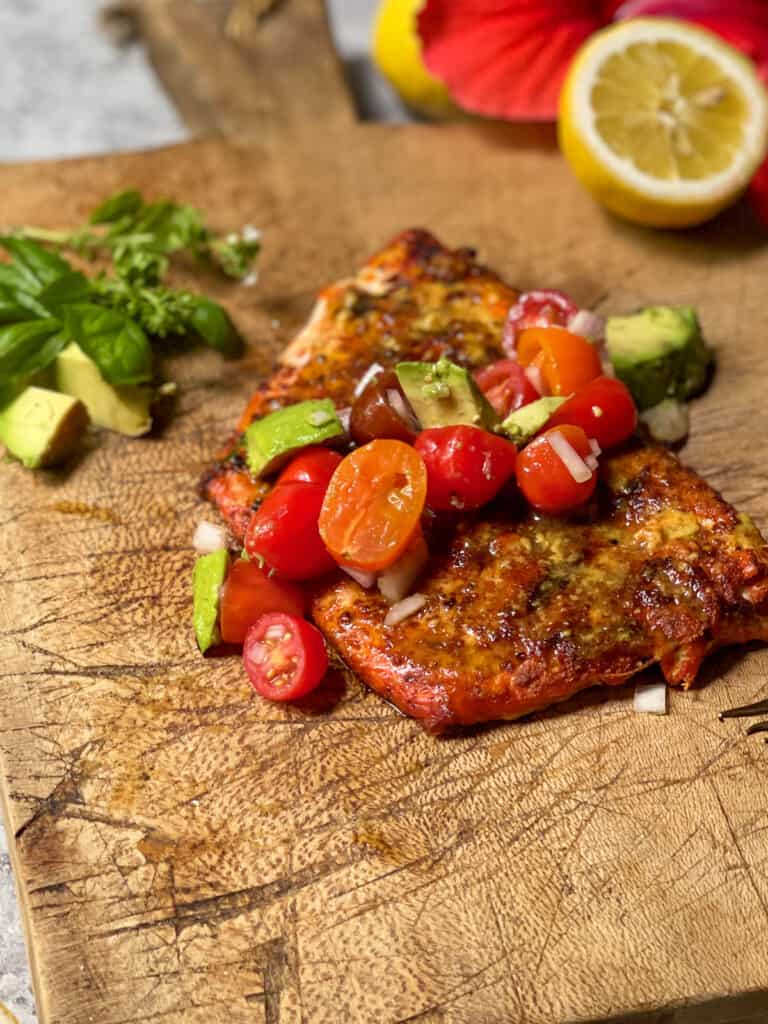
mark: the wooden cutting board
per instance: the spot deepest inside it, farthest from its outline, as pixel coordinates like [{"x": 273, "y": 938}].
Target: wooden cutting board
[{"x": 187, "y": 853}]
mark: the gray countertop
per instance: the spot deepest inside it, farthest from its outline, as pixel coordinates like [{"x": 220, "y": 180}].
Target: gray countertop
[{"x": 65, "y": 90}]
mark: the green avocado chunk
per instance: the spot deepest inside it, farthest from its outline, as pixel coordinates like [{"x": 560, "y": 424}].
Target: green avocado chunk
[
  {"x": 42, "y": 427},
  {"x": 522, "y": 424},
  {"x": 209, "y": 573},
  {"x": 123, "y": 409},
  {"x": 273, "y": 439},
  {"x": 443, "y": 394},
  {"x": 659, "y": 353}
]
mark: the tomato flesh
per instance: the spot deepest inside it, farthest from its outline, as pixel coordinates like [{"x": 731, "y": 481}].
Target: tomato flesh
[
  {"x": 284, "y": 532},
  {"x": 542, "y": 308},
  {"x": 604, "y": 409},
  {"x": 248, "y": 593},
  {"x": 544, "y": 478},
  {"x": 313, "y": 466},
  {"x": 285, "y": 656},
  {"x": 381, "y": 411},
  {"x": 466, "y": 466},
  {"x": 373, "y": 505},
  {"x": 567, "y": 361},
  {"x": 506, "y": 386}
]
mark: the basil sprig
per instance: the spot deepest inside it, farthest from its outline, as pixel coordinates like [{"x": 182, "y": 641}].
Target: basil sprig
[{"x": 45, "y": 303}]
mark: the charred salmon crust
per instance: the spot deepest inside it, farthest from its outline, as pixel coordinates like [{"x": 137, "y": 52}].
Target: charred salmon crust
[{"x": 522, "y": 611}]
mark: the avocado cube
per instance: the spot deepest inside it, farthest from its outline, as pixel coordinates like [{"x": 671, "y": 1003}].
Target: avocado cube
[
  {"x": 42, "y": 427},
  {"x": 659, "y": 353},
  {"x": 443, "y": 394},
  {"x": 521, "y": 425},
  {"x": 272, "y": 440},
  {"x": 123, "y": 409},
  {"x": 208, "y": 575}
]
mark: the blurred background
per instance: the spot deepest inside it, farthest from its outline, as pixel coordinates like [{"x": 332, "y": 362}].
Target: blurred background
[{"x": 81, "y": 84}]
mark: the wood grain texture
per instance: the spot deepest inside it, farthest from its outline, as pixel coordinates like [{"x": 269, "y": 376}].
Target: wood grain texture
[{"x": 187, "y": 853}]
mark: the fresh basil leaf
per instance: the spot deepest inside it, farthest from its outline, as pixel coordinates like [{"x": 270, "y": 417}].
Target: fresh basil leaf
[
  {"x": 16, "y": 280},
  {"x": 117, "y": 345},
  {"x": 70, "y": 288},
  {"x": 211, "y": 322},
  {"x": 11, "y": 308},
  {"x": 120, "y": 205},
  {"x": 27, "y": 348},
  {"x": 38, "y": 266}
]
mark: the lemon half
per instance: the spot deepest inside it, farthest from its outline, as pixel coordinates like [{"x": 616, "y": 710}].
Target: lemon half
[
  {"x": 397, "y": 53},
  {"x": 662, "y": 121}
]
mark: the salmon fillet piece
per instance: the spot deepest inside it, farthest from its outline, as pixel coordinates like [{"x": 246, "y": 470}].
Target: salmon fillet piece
[{"x": 521, "y": 611}]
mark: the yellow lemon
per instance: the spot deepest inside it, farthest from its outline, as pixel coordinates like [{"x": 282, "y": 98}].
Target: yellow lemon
[
  {"x": 662, "y": 121},
  {"x": 397, "y": 53}
]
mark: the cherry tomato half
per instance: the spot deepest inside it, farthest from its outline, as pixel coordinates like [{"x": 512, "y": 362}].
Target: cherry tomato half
[
  {"x": 284, "y": 532},
  {"x": 314, "y": 466},
  {"x": 466, "y": 466},
  {"x": 285, "y": 657},
  {"x": 381, "y": 411},
  {"x": 506, "y": 386},
  {"x": 541, "y": 308},
  {"x": 544, "y": 478},
  {"x": 604, "y": 409},
  {"x": 248, "y": 593},
  {"x": 567, "y": 361},
  {"x": 373, "y": 505}
]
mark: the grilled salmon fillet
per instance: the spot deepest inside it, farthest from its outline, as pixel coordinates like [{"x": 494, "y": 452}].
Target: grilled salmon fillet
[{"x": 521, "y": 610}]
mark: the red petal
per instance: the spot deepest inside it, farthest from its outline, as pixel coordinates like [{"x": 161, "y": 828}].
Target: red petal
[
  {"x": 506, "y": 58},
  {"x": 758, "y": 194},
  {"x": 742, "y": 23}
]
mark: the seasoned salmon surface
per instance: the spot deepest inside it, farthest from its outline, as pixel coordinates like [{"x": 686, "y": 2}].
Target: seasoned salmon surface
[{"x": 521, "y": 610}]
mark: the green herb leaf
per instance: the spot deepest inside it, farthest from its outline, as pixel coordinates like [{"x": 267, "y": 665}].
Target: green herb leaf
[
  {"x": 211, "y": 322},
  {"x": 27, "y": 348},
  {"x": 70, "y": 288},
  {"x": 36, "y": 265},
  {"x": 117, "y": 344},
  {"x": 11, "y": 309},
  {"x": 119, "y": 205}
]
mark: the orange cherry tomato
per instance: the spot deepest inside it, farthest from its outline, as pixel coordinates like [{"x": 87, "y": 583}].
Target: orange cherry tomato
[
  {"x": 373, "y": 505},
  {"x": 567, "y": 360}
]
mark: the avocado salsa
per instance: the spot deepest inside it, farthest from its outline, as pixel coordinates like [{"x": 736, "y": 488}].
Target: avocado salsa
[{"x": 466, "y": 443}]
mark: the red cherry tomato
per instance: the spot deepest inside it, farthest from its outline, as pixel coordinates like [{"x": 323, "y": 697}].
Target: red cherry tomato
[
  {"x": 544, "y": 478},
  {"x": 466, "y": 466},
  {"x": 284, "y": 532},
  {"x": 313, "y": 466},
  {"x": 506, "y": 386},
  {"x": 604, "y": 410},
  {"x": 543, "y": 308},
  {"x": 284, "y": 656},
  {"x": 248, "y": 593}
]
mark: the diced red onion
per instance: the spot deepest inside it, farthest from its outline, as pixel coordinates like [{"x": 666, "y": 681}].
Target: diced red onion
[
  {"x": 569, "y": 457},
  {"x": 209, "y": 537},
  {"x": 397, "y": 580},
  {"x": 533, "y": 373},
  {"x": 365, "y": 579},
  {"x": 370, "y": 373},
  {"x": 591, "y": 462},
  {"x": 596, "y": 449},
  {"x": 587, "y": 324},
  {"x": 668, "y": 421},
  {"x": 401, "y": 610},
  {"x": 344, "y": 417},
  {"x": 651, "y": 698}
]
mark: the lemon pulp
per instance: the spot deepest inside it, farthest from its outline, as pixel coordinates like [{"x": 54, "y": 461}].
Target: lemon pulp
[{"x": 663, "y": 121}]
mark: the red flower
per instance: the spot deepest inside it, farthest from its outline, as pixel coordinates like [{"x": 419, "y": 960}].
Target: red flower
[{"x": 508, "y": 58}]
